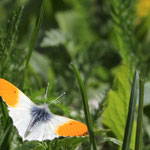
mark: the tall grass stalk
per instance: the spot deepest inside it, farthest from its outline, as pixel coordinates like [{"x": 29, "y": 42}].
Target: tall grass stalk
[
  {"x": 35, "y": 32},
  {"x": 86, "y": 108},
  {"x": 138, "y": 142},
  {"x": 4, "y": 142},
  {"x": 6, "y": 49},
  {"x": 131, "y": 112},
  {"x": 7, "y": 42}
]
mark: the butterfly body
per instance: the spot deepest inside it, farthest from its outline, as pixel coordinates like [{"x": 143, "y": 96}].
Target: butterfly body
[
  {"x": 41, "y": 114},
  {"x": 35, "y": 122}
]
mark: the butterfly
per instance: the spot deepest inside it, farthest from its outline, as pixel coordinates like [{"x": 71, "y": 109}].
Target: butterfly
[{"x": 36, "y": 122}]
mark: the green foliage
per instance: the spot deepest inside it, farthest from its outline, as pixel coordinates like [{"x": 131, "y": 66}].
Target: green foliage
[
  {"x": 131, "y": 111},
  {"x": 35, "y": 32},
  {"x": 139, "y": 133},
  {"x": 115, "y": 115},
  {"x": 68, "y": 143},
  {"x": 9, "y": 63},
  {"x": 123, "y": 14},
  {"x": 54, "y": 38},
  {"x": 4, "y": 143},
  {"x": 86, "y": 109},
  {"x": 40, "y": 67},
  {"x": 27, "y": 146},
  {"x": 39, "y": 40}
]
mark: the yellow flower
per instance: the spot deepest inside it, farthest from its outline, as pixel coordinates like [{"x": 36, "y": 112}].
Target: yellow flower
[{"x": 143, "y": 8}]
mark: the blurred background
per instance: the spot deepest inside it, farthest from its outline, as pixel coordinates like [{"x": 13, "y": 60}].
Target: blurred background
[{"x": 100, "y": 37}]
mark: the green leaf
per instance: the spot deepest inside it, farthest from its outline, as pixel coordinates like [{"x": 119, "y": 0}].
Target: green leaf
[
  {"x": 115, "y": 114},
  {"x": 131, "y": 112},
  {"x": 54, "y": 38},
  {"x": 69, "y": 143},
  {"x": 68, "y": 23},
  {"x": 27, "y": 146},
  {"x": 40, "y": 64},
  {"x": 8, "y": 41}
]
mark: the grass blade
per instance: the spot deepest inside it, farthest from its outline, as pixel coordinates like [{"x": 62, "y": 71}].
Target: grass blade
[
  {"x": 138, "y": 142},
  {"x": 35, "y": 32},
  {"x": 131, "y": 111},
  {"x": 110, "y": 139},
  {"x": 86, "y": 109},
  {"x": 4, "y": 110},
  {"x": 33, "y": 39},
  {"x": 4, "y": 138}
]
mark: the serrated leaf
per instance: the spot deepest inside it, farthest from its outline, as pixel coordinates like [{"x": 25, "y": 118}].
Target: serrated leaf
[
  {"x": 27, "y": 146},
  {"x": 70, "y": 143},
  {"x": 115, "y": 115},
  {"x": 54, "y": 38},
  {"x": 68, "y": 21}
]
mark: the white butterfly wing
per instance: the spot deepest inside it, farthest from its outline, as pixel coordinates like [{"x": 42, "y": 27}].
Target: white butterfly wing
[
  {"x": 55, "y": 127},
  {"x": 21, "y": 119},
  {"x": 44, "y": 131},
  {"x": 20, "y": 106},
  {"x": 47, "y": 130}
]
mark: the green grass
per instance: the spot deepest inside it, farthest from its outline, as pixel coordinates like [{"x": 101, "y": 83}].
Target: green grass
[
  {"x": 86, "y": 109},
  {"x": 131, "y": 112},
  {"x": 35, "y": 32},
  {"x": 139, "y": 131}
]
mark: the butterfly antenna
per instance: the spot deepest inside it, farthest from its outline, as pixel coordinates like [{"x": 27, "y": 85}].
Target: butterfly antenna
[
  {"x": 58, "y": 98},
  {"x": 45, "y": 96}
]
